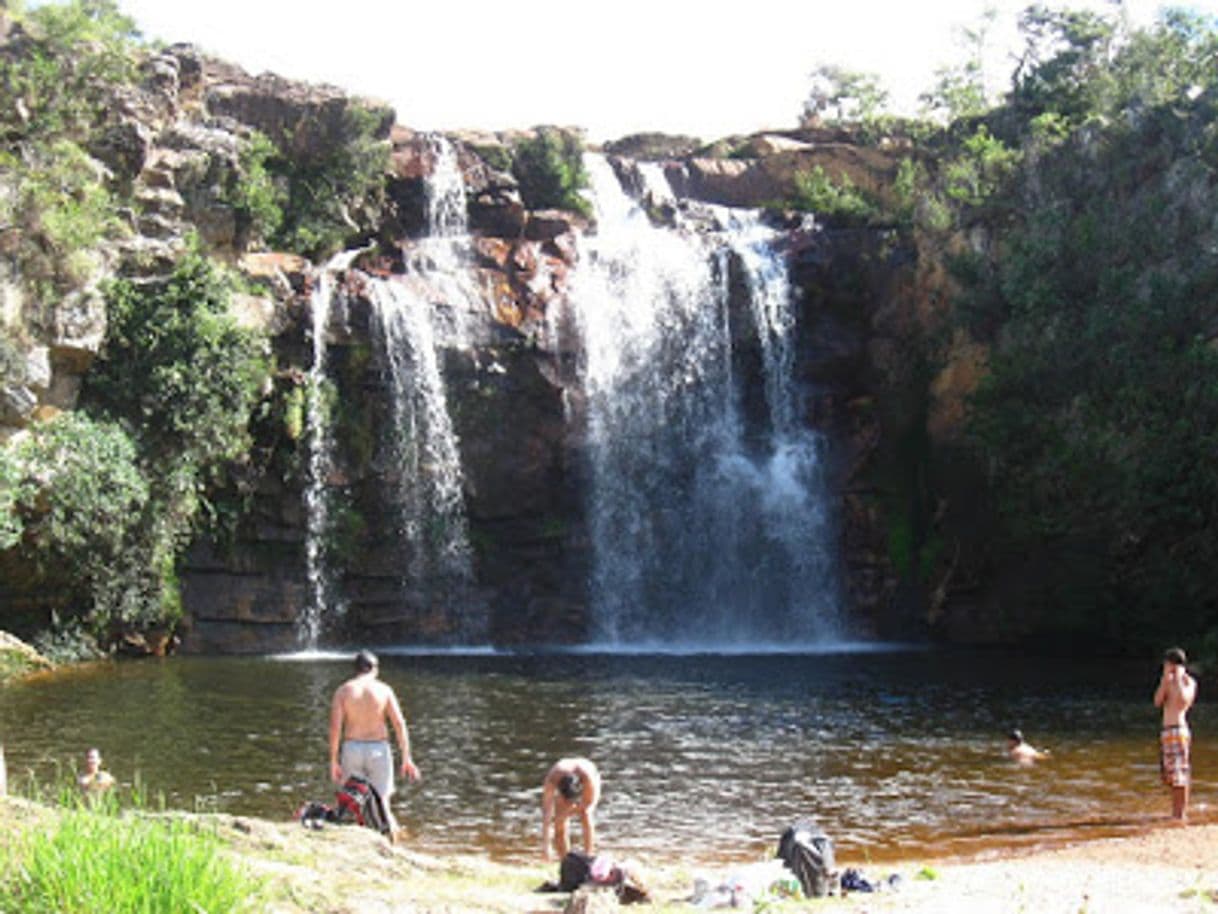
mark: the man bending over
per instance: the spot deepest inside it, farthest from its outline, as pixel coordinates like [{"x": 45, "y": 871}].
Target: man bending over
[{"x": 572, "y": 785}]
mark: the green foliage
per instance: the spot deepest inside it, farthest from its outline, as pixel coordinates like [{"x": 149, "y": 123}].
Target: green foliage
[
  {"x": 294, "y": 412},
  {"x": 850, "y": 95},
  {"x": 59, "y": 77},
  {"x": 1096, "y": 422},
  {"x": 102, "y": 500},
  {"x": 549, "y": 167},
  {"x": 94, "y": 859},
  {"x": 837, "y": 201},
  {"x": 960, "y": 90},
  {"x": 1064, "y": 67},
  {"x": 60, "y": 211},
  {"x": 177, "y": 369},
  {"x": 980, "y": 170},
  {"x": 255, "y": 196},
  {"x": 79, "y": 486},
  {"x": 58, "y": 84},
  {"x": 497, "y": 157},
  {"x": 326, "y": 193}
]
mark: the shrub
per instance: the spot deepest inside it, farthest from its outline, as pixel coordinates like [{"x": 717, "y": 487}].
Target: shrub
[
  {"x": 58, "y": 80},
  {"x": 102, "y": 500},
  {"x": 834, "y": 200},
  {"x": 60, "y": 210},
  {"x": 255, "y": 196},
  {"x": 336, "y": 196},
  {"x": 177, "y": 369},
  {"x": 75, "y": 487},
  {"x": 549, "y": 167}
]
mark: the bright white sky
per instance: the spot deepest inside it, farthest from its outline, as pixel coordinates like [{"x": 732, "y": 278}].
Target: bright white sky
[{"x": 612, "y": 66}]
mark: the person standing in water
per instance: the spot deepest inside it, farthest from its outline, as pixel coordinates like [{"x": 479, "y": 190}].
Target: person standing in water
[
  {"x": 572, "y": 785},
  {"x": 94, "y": 781},
  {"x": 1175, "y": 695},
  {"x": 359, "y": 738},
  {"x": 1022, "y": 752}
]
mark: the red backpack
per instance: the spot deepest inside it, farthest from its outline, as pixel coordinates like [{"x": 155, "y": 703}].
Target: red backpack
[{"x": 359, "y": 802}]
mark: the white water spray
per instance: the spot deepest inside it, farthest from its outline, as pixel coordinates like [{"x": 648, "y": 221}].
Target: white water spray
[{"x": 702, "y": 534}]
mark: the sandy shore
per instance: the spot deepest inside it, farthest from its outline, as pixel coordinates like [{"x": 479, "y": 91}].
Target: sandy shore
[
  {"x": 354, "y": 871},
  {"x": 1166, "y": 869}
]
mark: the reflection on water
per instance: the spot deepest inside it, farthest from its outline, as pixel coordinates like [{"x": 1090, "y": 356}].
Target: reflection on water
[{"x": 896, "y": 754}]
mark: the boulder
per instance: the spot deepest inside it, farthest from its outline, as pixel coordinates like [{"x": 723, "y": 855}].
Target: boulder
[
  {"x": 306, "y": 121},
  {"x": 77, "y": 329},
  {"x": 498, "y": 211},
  {"x": 548, "y": 224},
  {"x": 38, "y": 367},
  {"x": 768, "y": 144},
  {"x": 17, "y": 403},
  {"x": 123, "y": 146}
]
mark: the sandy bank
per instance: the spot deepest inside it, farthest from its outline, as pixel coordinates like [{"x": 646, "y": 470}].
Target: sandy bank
[{"x": 350, "y": 870}]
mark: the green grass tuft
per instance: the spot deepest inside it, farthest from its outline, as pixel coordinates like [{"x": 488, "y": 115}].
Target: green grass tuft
[{"x": 97, "y": 859}]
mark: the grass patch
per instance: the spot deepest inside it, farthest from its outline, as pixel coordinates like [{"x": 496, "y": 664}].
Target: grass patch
[{"x": 96, "y": 859}]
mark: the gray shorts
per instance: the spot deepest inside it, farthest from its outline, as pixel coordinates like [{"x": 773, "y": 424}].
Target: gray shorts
[{"x": 371, "y": 759}]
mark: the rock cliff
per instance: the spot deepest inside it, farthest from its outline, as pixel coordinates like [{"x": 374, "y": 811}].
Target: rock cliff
[{"x": 866, "y": 298}]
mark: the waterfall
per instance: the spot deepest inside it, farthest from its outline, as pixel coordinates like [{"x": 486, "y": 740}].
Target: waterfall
[
  {"x": 422, "y": 445},
  {"x": 322, "y": 593},
  {"x": 703, "y": 533},
  {"x": 447, "y": 214},
  {"x": 423, "y": 459}
]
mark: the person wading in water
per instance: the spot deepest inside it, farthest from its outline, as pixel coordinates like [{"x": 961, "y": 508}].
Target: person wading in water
[
  {"x": 359, "y": 739},
  {"x": 1175, "y": 695}
]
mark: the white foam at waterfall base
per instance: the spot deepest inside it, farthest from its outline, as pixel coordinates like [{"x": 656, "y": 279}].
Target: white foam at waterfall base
[{"x": 701, "y": 535}]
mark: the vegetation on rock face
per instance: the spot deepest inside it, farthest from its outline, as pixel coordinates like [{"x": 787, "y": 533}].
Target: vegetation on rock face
[
  {"x": 1090, "y": 271},
  {"x": 102, "y": 500},
  {"x": 326, "y": 200},
  {"x": 55, "y": 205},
  {"x": 550, "y": 170}
]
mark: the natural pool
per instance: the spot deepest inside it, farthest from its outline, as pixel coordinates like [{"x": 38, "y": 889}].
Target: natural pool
[{"x": 896, "y": 753}]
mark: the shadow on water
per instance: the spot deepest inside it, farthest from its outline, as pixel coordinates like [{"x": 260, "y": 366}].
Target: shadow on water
[{"x": 894, "y": 753}]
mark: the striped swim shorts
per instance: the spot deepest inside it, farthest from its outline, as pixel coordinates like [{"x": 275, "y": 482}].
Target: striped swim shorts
[{"x": 1174, "y": 743}]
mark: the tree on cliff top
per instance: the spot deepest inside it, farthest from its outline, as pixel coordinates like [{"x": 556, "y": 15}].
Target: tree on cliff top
[{"x": 850, "y": 95}]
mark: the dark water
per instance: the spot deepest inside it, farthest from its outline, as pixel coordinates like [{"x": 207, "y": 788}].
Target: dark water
[{"x": 896, "y": 754}]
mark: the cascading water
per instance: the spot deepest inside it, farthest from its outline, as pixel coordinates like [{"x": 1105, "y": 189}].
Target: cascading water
[
  {"x": 703, "y": 534},
  {"x": 323, "y": 596},
  {"x": 423, "y": 447},
  {"x": 423, "y": 460}
]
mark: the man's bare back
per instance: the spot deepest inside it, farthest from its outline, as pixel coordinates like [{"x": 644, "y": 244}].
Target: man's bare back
[
  {"x": 358, "y": 713},
  {"x": 364, "y": 704}
]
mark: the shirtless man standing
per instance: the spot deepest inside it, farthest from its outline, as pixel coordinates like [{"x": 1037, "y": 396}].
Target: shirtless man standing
[
  {"x": 1175, "y": 695},
  {"x": 359, "y": 739},
  {"x": 572, "y": 785}
]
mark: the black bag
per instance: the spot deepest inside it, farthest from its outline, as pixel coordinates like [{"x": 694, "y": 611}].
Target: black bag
[
  {"x": 361, "y": 803},
  {"x": 574, "y": 870},
  {"x": 808, "y": 853}
]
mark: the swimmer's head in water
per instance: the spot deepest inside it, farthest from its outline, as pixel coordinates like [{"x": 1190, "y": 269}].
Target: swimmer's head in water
[
  {"x": 571, "y": 787},
  {"x": 1015, "y": 736}
]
